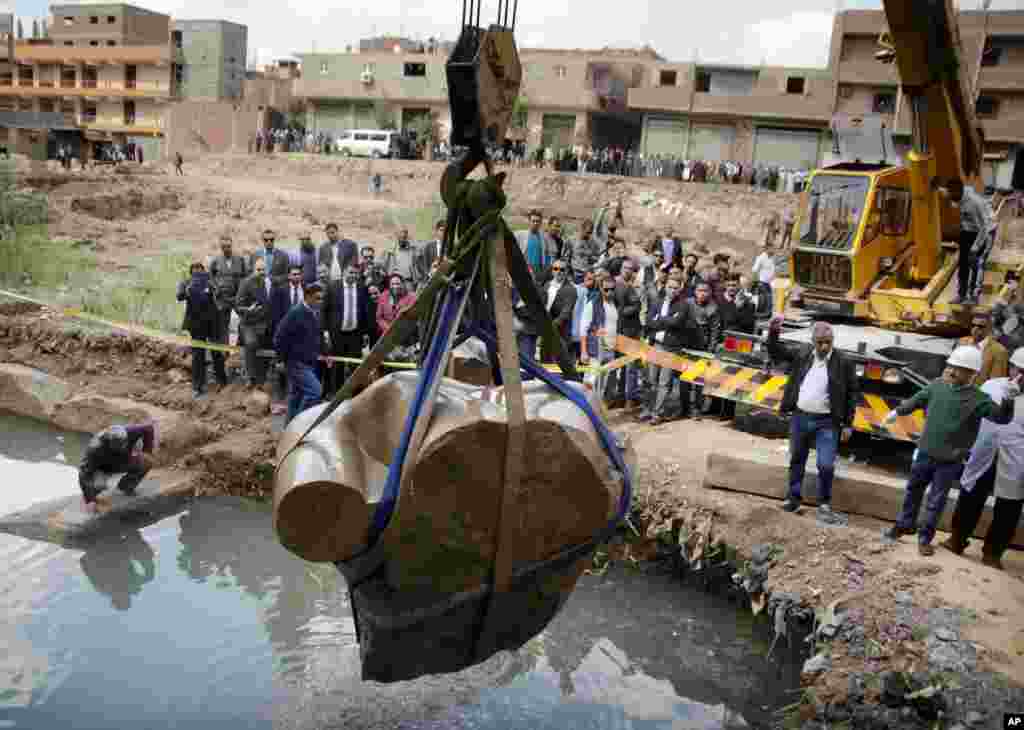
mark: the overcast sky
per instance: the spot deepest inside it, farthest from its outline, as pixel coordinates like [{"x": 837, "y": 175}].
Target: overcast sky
[{"x": 783, "y": 32}]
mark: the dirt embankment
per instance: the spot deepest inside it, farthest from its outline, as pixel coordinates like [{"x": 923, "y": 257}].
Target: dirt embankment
[
  {"x": 228, "y": 433},
  {"x": 298, "y": 194}
]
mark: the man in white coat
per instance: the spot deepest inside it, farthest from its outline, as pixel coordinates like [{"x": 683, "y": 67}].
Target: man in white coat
[{"x": 996, "y": 464}]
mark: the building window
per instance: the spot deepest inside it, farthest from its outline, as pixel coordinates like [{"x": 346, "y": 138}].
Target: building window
[
  {"x": 111, "y": 43},
  {"x": 667, "y": 78},
  {"x": 991, "y": 56},
  {"x": 46, "y": 106},
  {"x": 129, "y": 113},
  {"x": 94, "y": 43},
  {"x": 986, "y": 106},
  {"x": 94, "y": 20},
  {"x": 703, "y": 82},
  {"x": 560, "y": 72},
  {"x": 367, "y": 68},
  {"x": 68, "y": 20},
  {"x": 884, "y": 103},
  {"x": 323, "y": 67},
  {"x": 845, "y": 91},
  {"x": 88, "y": 114},
  {"x": 69, "y": 43},
  {"x": 176, "y": 38},
  {"x": 795, "y": 85},
  {"x": 111, "y": 19},
  {"x": 414, "y": 69}
]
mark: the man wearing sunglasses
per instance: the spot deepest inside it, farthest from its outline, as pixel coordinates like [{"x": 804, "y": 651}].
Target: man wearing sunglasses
[
  {"x": 276, "y": 261},
  {"x": 599, "y": 328},
  {"x": 559, "y": 294}
]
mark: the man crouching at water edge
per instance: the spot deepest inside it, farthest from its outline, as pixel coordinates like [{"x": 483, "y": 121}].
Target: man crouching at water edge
[{"x": 115, "y": 450}]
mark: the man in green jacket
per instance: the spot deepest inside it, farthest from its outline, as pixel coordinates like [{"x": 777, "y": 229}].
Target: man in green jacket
[{"x": 954, "y": 410}]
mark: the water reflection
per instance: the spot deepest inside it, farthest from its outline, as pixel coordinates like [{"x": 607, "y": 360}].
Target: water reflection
[
  {"x": 38, "y": 462},
  {"x": 204, "y": 620},
  {"x": 119, "y": 567}
]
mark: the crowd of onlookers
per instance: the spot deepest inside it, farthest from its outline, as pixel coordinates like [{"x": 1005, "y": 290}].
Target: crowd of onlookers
[{"x": 667, "y": 292}]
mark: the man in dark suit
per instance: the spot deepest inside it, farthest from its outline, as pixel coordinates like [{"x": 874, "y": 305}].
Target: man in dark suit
[
  {"x": 822, "y": 394},
  {"x": 347, "y": 321},
  {"x": 253, "y": 306},
  {"x": 429, "y": 253},
  {"x": 299, "y": 343},
  {"x": 336, "y": 253},
  {"x": 275, "y": 260},
  {"x": 559, "y": 296},
  {"x": 284, "y": 297},
  {"x": 672, "y": 327}
]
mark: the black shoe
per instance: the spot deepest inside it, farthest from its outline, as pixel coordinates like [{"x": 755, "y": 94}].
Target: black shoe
[
  {"x": 792, "y": 505},
  {"x": 896, "y": 532}
]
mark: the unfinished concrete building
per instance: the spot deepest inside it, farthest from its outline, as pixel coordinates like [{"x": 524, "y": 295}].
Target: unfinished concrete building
[{"x": 213, "y": 58}]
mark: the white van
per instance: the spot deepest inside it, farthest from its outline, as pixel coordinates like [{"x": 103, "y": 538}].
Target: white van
[{"x": 366, "y": 143}]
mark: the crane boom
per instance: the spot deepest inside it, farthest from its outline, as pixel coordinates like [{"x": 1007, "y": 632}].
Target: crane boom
[{"x": 928, "y": 54}]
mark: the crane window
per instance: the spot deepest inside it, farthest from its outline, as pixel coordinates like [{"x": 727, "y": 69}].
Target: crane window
[
  {"x": 884, "y": 103},
  {"x": 894, "y": 206},
  {"x": 835, "y": 204},
  {"x": 986, "y": 106}
]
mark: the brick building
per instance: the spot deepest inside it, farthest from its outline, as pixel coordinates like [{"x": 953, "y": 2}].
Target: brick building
[
  {"x": 115, "y": 71},
  {"x": 213, "y": 58},
  {"x": 634, "y": 97}
]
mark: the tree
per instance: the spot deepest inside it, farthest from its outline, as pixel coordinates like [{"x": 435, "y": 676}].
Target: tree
[
  {"x": 520, "y": 112},
  {"x": 35, "y": 28},
  {"x": 21, "y": 30},
  {"x": 384, "y": 117}
]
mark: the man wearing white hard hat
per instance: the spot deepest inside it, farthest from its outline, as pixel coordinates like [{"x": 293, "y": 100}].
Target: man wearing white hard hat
[
  {"x": 954, "y": 411},
  {"x": 996, "y": 465}
]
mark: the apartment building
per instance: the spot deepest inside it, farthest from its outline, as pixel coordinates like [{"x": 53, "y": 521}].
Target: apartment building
[
  {"x": 108, "y": 69},
  {"x": 634, "y": 97},
  {"x": 993, "y": 60},
  {"x": 213, "y": 58}
]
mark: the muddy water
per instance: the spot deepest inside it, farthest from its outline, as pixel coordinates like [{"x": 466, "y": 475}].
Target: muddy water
[{"x": 203, "y": 621}]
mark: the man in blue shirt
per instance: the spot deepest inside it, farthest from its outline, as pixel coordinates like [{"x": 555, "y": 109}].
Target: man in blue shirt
[
  {"x": 298, "y": 343},
  {"x": 533, "y": 246}
]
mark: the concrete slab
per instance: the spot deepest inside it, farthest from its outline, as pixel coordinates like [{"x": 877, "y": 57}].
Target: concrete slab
[
  {"x": 64, "y": 521},
  {"x": 856, "y": 491},
  {"x": 30, "y": 392}
]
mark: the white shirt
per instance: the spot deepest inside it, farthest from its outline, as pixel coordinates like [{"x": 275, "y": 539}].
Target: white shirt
[
  {"x": 295, "y": 295},
  {"x": 813, "y": 396},
  {"x": 336, "y": 261},
  {"x": 764, "y": 268},
  {"x": 660, "y": 336},
  {"x": 611, "y": 326},
  {"x": 1006, "y": 442},
  {"x": 553, "y": 288},
  {"x": 350, "y": 320}
]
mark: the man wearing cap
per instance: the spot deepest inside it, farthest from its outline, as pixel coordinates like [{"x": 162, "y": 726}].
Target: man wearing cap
[
  {"x": 996, "y": 465},
  {"x": 336, "y": 253},
  {"x": 276, "y": 261},
  {"x": 954, "y": 409},
  {"x": 821, "y": 394},
  {"x": 298, "y": 342}
]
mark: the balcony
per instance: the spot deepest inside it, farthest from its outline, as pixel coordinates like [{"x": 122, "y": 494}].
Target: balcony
[
  {"x": 97, "y": 56},
  {"x": 1009, "y": 129},
  {"x": 139, "y": 127},
  {"x": 868, "y": 71},
  {"x": 381, "y": 88},
  {"x": 89, "y": 88},
  {"x": 661, "y": 98},
  {"x": 774, "y": 106},
  {"x": 1002, "y": 78}
]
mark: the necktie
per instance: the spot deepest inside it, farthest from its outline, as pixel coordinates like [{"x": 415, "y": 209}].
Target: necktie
[{"x": 295, "y": 295}]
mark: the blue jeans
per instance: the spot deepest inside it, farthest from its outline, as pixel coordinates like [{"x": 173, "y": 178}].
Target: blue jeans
[
  {"x": 804, "y": 428},
  {"x": 924, "y": 471},
  {"x": 624, "y": 382},
  {"x": 528, "y": 344},
  {"x": 303, "y": 388}
]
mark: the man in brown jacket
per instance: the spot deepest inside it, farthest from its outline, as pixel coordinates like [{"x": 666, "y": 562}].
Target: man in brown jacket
[{"x": 995, "y": 360}]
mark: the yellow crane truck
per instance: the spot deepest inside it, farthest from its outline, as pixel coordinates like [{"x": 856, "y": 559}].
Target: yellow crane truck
[{"x": 875, "y": 245}]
